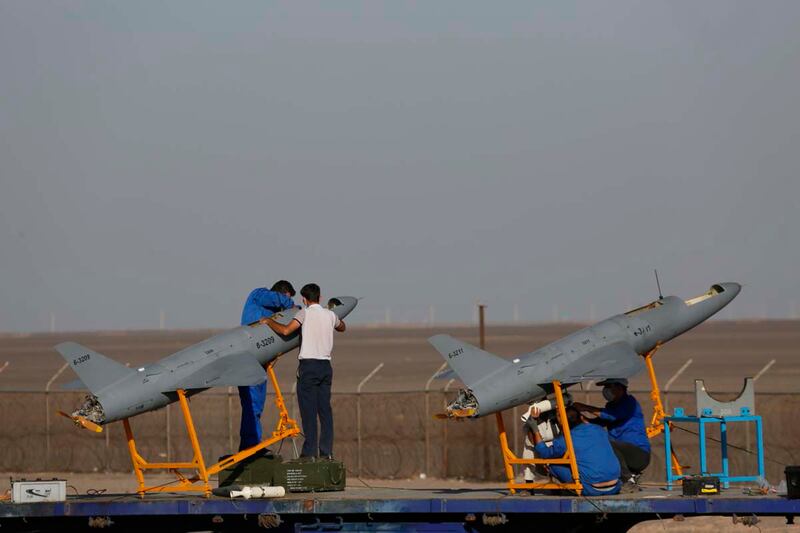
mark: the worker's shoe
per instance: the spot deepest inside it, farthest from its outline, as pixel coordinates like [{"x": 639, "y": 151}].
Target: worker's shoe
[
  {"x": 306, "y": 459},
  {"x": 326, "y": 458},
  {"x": 630, "y": 487}
]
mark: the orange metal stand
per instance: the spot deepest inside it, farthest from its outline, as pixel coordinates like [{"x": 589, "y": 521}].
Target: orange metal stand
[
  {"x": 509, "y": 459},
  {"x": 286, "y": 427},
  {"x": 656, "y": 426}
]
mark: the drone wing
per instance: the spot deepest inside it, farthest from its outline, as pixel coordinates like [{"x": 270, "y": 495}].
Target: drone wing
[
  {"x": 617, "y": 360},
  {"x": 237, "y": 369}
]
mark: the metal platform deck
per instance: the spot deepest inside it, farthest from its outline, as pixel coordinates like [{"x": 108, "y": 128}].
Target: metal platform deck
[{"x": 381, "y": 509}]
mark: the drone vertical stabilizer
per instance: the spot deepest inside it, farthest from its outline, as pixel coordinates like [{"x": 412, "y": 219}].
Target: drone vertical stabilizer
[
  {"x": 470, "y": 363},
  {"x": 95, "y": 370}
]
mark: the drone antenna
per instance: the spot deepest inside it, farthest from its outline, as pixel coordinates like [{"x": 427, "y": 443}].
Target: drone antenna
[{"x": 660, "y": 296}]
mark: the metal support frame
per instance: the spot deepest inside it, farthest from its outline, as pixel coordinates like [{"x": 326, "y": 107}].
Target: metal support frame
[
  {"x": 656, "y": 426},
  {"x": 509, "y": 459},
  {"x": 723, "y": 422},
  {"x": 286, "y": 427}
]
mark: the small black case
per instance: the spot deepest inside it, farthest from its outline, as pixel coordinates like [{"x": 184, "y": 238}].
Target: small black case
[
  {"x": 700, "y": 486},
  {"x": 793, "y": 482}
]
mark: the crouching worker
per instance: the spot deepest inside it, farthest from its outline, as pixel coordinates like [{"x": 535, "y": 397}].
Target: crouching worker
[
  {"x": 598, "y": 467},
  {"x": 623, "y": 418},
  {"x": 540, "y": 418}
]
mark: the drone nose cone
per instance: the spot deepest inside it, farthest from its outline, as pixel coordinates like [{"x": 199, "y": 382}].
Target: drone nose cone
[
  {"x": 342, "y": 305},
  {"x": 347, "y": 301},
  {"x": 731, "y": 288}
]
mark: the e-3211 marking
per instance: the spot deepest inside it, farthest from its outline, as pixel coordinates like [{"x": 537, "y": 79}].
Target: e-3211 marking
[{"x": 455, "y": 353}]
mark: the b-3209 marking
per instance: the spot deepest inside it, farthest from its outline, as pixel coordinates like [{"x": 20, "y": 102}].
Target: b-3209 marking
[{"x": 264, "y": 343}]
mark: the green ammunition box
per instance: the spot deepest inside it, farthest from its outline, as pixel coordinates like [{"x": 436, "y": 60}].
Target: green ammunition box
[
  {"x": 317, "y": 476},
  {"x": 256, "y": 470}
]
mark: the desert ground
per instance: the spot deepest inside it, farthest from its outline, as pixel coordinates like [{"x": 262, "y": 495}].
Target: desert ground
[{"x": 723, "y": 353}]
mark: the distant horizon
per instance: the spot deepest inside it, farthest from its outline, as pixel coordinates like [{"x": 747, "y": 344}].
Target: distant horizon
[{"x": 375, "y": 325}]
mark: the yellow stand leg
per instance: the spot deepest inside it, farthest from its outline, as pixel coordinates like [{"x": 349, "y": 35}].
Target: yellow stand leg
[
  {"x": 509, "y": 459},
  {"x": 286, "y": 427},
  {"x": 197, "y": 459},
  {"x": 656, "y": 426},
  {"x": 135, "y": 457}
]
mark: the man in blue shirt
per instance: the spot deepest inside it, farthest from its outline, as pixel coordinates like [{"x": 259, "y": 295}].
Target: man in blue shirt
[
  {"x": 598, "y": 468},
  {"x": 623, "y": 418},
  {"x": 261, "y": 304}
]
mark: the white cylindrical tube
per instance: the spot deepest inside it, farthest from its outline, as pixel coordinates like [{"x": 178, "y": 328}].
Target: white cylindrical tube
[
  {"x": 272, "y": 492},
  {"x": 264, "y": 491},
  {"x": 543, "y": 406}
]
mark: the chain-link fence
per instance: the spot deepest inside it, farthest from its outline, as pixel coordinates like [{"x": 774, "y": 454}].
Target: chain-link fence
[{"x": 397, "y": 436}]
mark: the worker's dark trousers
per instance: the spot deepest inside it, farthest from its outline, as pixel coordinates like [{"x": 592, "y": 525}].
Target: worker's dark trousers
[
  {"x": 314, "y": 377},
  {"x": 632, "y": 459}
]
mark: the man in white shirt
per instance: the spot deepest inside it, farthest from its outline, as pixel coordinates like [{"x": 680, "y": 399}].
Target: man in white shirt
[{"x": 314, "y": 373}]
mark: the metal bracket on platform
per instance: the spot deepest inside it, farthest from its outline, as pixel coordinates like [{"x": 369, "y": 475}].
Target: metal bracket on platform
[
  {"x": 711, "y": 411},
  {"x": 742, "y": 405}
]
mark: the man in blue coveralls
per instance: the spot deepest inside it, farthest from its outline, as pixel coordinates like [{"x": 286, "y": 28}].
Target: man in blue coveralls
[
  {"x": 623, "y": 418},
  {"x": 261, "y": 304},
  {"x": 598, "y": 468}
]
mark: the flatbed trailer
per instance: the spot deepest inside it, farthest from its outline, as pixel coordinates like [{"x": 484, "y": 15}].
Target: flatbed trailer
[{"x": 384, "y": 509}]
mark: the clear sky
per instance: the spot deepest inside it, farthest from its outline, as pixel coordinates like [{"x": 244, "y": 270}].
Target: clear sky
[{"x": 532, "y": 154}]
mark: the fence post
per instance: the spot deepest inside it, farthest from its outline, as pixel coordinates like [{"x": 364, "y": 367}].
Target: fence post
[
  {"x": 755, "y": 378},
  {"x": 294, "y": 403},
  {"x": 46, "y": 429},
  {"x": 428, "y": 416},
  {"x": 763, "y": 370},
  {"x": 294, "y": 417},
  {"x": 108, "y": 449},
  {"x": 358, "y": 412},
  {"x": 445, "y": 465},
  {"x": 671, "y": 380},
  {"x": 230, "y": 420},
  {"x": 47, "y": 415},
  {"x": 168, "y": 423},
  {"x": 515, "y": 434},
  {"x": 481, "y": 326}
]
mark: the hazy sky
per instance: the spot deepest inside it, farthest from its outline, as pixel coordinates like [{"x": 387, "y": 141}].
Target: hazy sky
[{"x": 175, "y": 155}]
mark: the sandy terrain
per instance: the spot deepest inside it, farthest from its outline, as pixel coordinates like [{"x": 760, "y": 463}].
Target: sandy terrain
[{"x": 723, "y": 353}]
